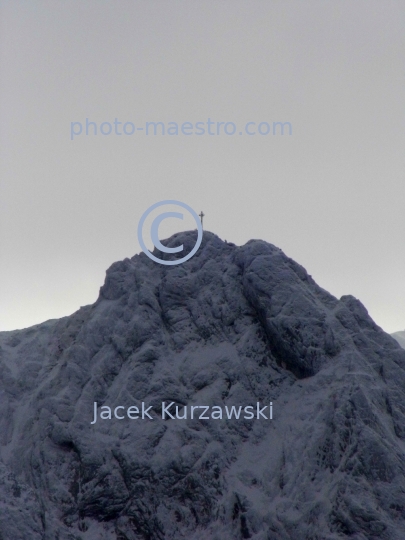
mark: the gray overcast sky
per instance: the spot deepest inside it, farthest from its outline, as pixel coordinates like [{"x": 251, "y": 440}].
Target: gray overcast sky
[{"x": 331, "y": 195}]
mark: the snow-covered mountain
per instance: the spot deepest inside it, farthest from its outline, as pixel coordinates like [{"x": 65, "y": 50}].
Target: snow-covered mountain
[
  {"x": 232, "y": 326},
  {"x": 400, "y": 337}
]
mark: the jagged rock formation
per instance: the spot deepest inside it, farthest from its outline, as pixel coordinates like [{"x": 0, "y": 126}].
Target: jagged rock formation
[
  {"x": 231, "y": 326},
  {"x": 400, "y": 338}
]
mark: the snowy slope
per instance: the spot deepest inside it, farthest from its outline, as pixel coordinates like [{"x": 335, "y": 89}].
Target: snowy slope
[
  {"x": 231, "y": 326},
  {"x": 400, "y": 337}
]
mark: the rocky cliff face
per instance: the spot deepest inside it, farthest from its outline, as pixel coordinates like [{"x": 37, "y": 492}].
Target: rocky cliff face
[{"x": 232, "y": 326}]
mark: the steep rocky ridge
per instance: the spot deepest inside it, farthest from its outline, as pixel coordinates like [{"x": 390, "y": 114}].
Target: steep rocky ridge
[{"x": 231, "y": 326}]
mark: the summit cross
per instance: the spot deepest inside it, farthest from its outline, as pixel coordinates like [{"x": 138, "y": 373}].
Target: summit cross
[{"x": 201, "y": 214}]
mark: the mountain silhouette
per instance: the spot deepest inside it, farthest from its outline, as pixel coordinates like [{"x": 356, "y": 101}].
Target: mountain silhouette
[
  {"x": 400, "y": 337},
  {"x": 233, "y": 326}
]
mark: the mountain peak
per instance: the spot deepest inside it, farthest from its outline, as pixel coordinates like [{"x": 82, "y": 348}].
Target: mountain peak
[{"x": 234, "y": 326}]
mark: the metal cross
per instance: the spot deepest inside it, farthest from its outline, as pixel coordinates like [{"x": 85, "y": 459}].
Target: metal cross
[{"x": 201, "y": 214}]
